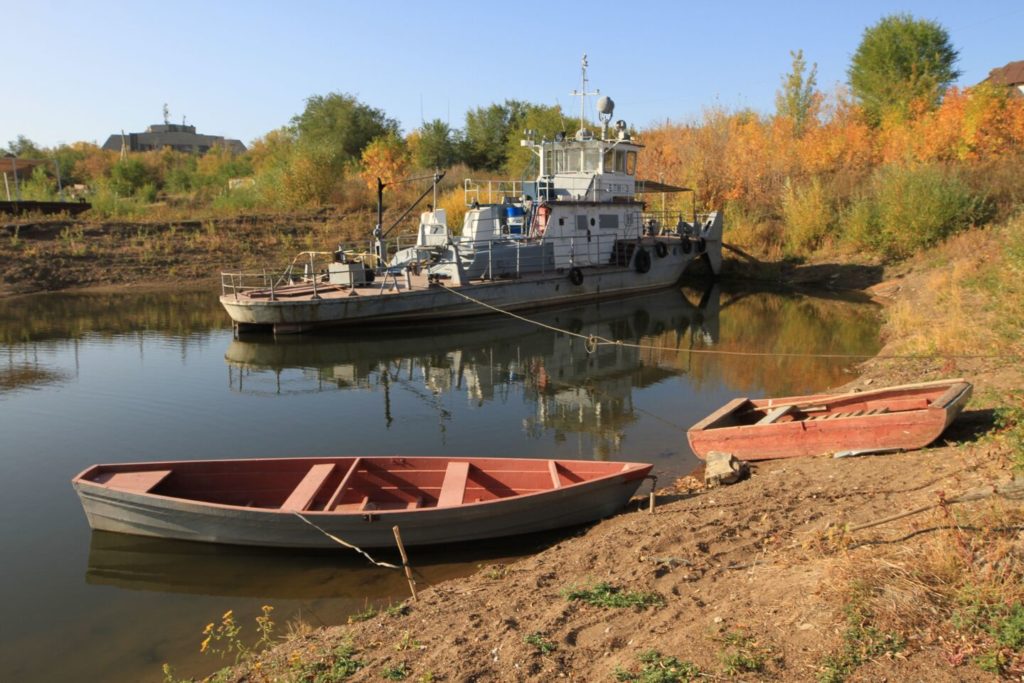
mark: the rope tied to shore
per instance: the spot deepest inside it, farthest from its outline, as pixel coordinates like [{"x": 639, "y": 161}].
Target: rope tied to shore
[
  {"x": 591, "y": 342},
  {"x": 345, "y": 543}
]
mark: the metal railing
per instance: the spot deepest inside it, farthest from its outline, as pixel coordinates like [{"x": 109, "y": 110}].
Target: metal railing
[
  {"x": 495, "y": 259},
  {"x": 496, "y": 191},
  {"x": 672, "y": 222}
]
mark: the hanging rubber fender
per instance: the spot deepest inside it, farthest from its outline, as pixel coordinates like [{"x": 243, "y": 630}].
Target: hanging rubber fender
[
  {"x": 576, "y": 276},
  {"x": 369, "y": 275},
  {"x": 701, "y": 246},
  {"x": 686, "y": 245},
  {"x": 642, "y": 261},
  {"x": 661, "y": 249}
]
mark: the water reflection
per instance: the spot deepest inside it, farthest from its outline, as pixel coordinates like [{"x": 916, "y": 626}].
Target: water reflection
[
  {"x": 497, "y": 359},
  {"x": 572, "y": 391},
  {"x": 18, "y": 374},
  {"x": 153, "y": 564},
  {"x": 88, "y": 378},
  {"x": 73, "y": 315}
]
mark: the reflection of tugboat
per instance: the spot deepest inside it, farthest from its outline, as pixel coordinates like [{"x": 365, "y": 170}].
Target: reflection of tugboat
[
  {"x": 573, "y": 391},
  {"x": 578, "y": 232}
]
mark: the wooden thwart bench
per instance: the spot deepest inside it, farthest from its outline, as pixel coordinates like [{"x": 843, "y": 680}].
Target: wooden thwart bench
[
  {"x": 306, "y": 491},
  {"x": 453, "y": 488},
  {"x": 136, "y": 482},
  {"x": 774, "y": 414}
]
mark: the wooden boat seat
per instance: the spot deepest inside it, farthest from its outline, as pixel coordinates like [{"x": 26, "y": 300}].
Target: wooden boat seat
[
  {"x": 136, "y": 482},
  {"x": 453, "y": 489},
  {"x": 306, "y": 491},
  {"x": 774, "y": 414},
  {"x": 556, "y": 480}
]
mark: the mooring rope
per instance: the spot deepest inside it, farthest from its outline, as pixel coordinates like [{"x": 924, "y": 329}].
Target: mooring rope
[
  {"x": 344, "y": 543},
  {"x": 592, "y": 341}
]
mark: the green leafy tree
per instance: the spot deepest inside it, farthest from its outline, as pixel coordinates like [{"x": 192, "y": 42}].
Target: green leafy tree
[
  {"x": 436, "y": 145},
  {"x": 130, "y": 176},
  {"x": 901, "y": 61},
  {"x": 23, "y": 147},
  {"x": 485, "y": 137},
  {"x": 799, "y": 94},
  {"x": 68, "y": 157},
  {"x": 341, "y": 123},
  {"x": 545, "y": 122}
]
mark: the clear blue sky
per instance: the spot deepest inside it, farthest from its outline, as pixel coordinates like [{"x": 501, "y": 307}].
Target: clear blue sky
[{"x": 83, "y": 70}]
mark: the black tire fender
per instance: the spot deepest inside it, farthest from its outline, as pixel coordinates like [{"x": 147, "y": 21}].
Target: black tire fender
[
  {"x": 661, "y": 249},
  {"x": 686, "y": 245},
  {"x": 702, "y": 246},
  {"x": 576, "y": 276},
  {"x": 642, "y": 261}
]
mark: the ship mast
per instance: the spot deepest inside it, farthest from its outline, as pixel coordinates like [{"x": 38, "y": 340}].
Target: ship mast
[{"x": 582, "y": 92}]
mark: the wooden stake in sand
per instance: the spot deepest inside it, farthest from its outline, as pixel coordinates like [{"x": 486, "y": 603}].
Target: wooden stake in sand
[{"x": 405, "y": 563}]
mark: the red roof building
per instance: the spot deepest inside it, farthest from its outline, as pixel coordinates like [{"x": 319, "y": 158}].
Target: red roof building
[{"x": 1011, "y": 76}]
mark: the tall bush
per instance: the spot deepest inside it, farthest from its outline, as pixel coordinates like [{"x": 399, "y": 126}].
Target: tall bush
[
  {"x": 808, "y": 216},
  {"x": 912, "y": 208}
]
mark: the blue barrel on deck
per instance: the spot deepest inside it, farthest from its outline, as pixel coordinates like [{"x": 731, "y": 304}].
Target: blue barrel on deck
[{"x": 516, "y": 218}]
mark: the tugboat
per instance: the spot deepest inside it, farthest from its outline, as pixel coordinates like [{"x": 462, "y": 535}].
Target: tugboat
[{"x": 576, "y": 233}]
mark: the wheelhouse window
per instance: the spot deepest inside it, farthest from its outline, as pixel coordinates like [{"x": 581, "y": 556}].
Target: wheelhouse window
[{"x": 631, "y": 163}]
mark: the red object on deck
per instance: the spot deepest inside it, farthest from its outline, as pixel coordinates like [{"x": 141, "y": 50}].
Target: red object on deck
[{"x": 903, "y": 417}]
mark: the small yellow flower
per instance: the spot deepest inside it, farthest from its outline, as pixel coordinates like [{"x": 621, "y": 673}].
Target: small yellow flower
[
  {"x": 208, "y": 629},
  {"x": 227, "y": 615},
  {"x": 205, "y": 644}
]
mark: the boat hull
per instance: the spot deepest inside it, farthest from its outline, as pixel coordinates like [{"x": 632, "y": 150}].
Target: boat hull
[
  {"x": 146, "y": 514},
  {"x": 896, "y": 430},
  {"x": 441, "y": 302}
]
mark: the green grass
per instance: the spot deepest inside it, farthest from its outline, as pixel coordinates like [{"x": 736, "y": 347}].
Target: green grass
[
  {"x": 1010, "y": 421},
  {"x": 861, "y": 643},
  {"x": 1000, "y": 625},
  {"x": 540, "y": 643},
  {"x": 365, "y": 615},
  {"x": 742, "y": 654},
  {"x": 396, "y": 673},
  {"x": 606, "y": 595},
  {"x": 658, "y": 668},
  {"x": 341, "y": 664}
]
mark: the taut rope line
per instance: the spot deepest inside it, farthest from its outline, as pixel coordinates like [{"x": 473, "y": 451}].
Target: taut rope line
[{"x": 591, "y": 342}]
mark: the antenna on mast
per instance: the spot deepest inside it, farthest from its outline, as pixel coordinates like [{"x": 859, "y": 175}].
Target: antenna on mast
[{"x": 583, "y": 94}]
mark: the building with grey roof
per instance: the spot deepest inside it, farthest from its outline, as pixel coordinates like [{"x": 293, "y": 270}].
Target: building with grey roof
[{"x": 178, "y": 137}]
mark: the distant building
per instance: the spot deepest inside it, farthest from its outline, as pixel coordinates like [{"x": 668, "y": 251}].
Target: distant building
[
  {"x": 1010, "y": 76},
  {"x": 178, "y": 137}
]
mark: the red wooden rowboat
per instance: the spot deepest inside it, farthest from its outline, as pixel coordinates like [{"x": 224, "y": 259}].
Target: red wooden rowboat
[
  {"x": 901, "y": 418},
  {"x": 267, "y": 502}
]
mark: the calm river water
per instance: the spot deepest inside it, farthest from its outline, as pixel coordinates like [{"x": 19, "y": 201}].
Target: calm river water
[{"x": 89, "y": 378}]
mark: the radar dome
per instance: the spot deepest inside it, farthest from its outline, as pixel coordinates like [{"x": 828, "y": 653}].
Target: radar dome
[{"x": 605, "y": 105}]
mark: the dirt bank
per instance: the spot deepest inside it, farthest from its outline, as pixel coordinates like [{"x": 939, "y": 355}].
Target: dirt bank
[
  {"x": 761, "y": 580},
  {"x": 59, "y": 254},
  {"x": 54, "y": 254}
]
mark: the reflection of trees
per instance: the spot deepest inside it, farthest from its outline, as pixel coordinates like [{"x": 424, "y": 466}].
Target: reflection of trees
[
  {"x": 15, "y": 375},
  {"x": 71, "y": 316},
  {"x": 783, "y": 323}
]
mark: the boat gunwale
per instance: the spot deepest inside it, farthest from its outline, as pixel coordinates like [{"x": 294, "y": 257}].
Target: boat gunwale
[
  {"x": 80, "y": 480},
  {"x": 957, "y": 389}
]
